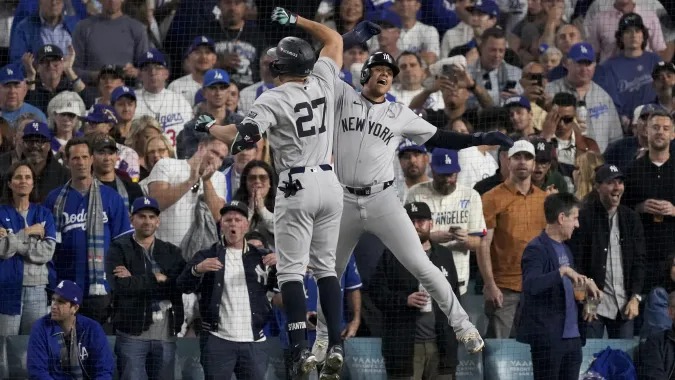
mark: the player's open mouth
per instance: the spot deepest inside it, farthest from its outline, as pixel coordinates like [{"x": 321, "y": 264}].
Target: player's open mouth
[{"x": 382, "y": 82}]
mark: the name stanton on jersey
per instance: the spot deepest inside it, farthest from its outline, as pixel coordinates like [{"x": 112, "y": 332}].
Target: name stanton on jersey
[{"x": 358, "y": 124}]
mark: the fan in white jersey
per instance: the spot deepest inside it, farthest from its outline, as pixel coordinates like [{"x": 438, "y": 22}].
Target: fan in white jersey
[
  {"x": 202, "y": 57},
  {"x": 170, "y": 109},
  {"x": 368, "y": 131},
  {"x": 298, "y": 116}
]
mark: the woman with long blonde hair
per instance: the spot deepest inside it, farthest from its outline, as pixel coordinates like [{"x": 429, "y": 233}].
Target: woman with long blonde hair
[{"x": 584, "y": 172}]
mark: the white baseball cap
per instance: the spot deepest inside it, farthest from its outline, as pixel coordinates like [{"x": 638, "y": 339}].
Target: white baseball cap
[
  {"x": 521, "y": 146},
  {"x": 67, "y": 102}
]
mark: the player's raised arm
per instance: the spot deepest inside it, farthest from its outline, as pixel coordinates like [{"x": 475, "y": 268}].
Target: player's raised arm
[
  {"x": 330, "y": 39},
  {"x": 237, "y": 136}
]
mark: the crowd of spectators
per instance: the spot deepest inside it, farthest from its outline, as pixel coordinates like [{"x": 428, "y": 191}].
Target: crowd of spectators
[{"x": 97, "y": 102}]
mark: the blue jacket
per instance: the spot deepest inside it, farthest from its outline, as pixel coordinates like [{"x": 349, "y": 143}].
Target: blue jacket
[
  {"x": 26, "y": 36},
  {"x": 542, "y": 301},
  {"x": 44, "y": 350}
]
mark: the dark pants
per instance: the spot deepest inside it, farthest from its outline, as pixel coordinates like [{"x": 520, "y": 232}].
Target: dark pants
[
  {"x": 618, "y": 328},
  {"x": 561, "y": 362},
  {"x": 99, "y": 309},
  {"x": 221, "y": 358},
  {"x": 145, "y": 359}
]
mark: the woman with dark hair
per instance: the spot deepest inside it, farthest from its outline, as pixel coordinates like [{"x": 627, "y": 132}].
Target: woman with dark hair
[
  {"x": 27, "y": 242},
  {"x": 258, "y": 188},
  {"x": 349, "y": 14}
]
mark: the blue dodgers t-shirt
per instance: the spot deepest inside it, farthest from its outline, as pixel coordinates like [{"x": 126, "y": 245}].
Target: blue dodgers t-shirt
[
  {"x": 631, "y": 79},
  {"x": 571, "y": 328}
]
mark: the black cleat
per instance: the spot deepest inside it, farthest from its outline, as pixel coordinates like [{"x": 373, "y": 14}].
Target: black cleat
[
  {"x": 332, "y": 367},
  {"x": 303, "y": 365}
]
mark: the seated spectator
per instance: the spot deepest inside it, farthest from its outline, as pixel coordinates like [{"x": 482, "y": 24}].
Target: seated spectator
[
  {"x": 387, "y": 40},
  {"x": 27, "y": 242},
  {"x": 501, "y": 174},
  {"x": 250, "y": 93},
  {"x": 520, "y": 112},
  {"x": 354, "y": 55},
  {"x": 105, "y": 157},
  {"x": 624, "y": 152},
  {"x": 65, "y": 344},
  {"x": 201, "y": 56},
  {"x": 545, "y": 30},
  {"x": 566, "y": 36},
  {"x": 238, "y": 42},
  {"x": 545, "y": 174},
  {"x": 123, "y": 100},
  {"x": 629, "y": 71},
  {"x": 602, "y": 124},
  {"x": 428, "y": 348},
  {"x": 477, "y": 162},
  {"x": 232, "y": 99},
  {"x": 63, "y": 117},
  {"x": 499, "y": 78},
  {"x": 108, "y": 79},
  {"x": 215, "y": 88},
  {"x": 563, "y": 129},
  {"x": 484, "y": 15},
  {"x": 156, "y": 148},
  {"x": 521, "y": 39},
  {"x": 142, "y": 130},
  {"x": 664, "y": 81},
  {"x": 258, "y": 189},
  {"x": 602, "y": 26},
  {"x": 95, "y": 46},
  {"x": 16, "y": 129},
  {"x": 232, "y": 323},
  {"x": 583, "y": 175},
  {"x": 13, "y": 91},
  {"x": 657, "y": 353},
  {"x": 409, "y": 82},
  {"x": 148, "y": 305},
  {"x": 609, "y": 247},
  {"x": 550, "y": 58},
  {"x": 49, "y": 25},
  {"x": 534, "y": 82},
  {"x": 415, "y": 36},
  {"x": 233, "y": 173},
  {"x": 411, "y": 168},
  {"x": 169, "y": 108},
  {"x": 656, "y": 316},
  {"x": 54, "y": 75},
  {"x": 6, "y": 137}
]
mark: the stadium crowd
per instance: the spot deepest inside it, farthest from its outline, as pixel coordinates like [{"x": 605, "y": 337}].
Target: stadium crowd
[{"x": 98, "y": 99}]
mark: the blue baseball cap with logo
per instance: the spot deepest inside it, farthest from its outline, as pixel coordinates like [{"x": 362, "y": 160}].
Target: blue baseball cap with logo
[
  {"x": 153, "y": 56},
  {"x": 202, "y": 41},
  {"x": 11, "y": 74},
  {"x": 445, "y": 161},
  {"x": 488, "y": 7},
  {"x": 145, "y": 203},
  {"x": 101, "y": 113},
  {"x": 410, "y": 146},
  {"x": 122, "y": 91},
  {"x": 216, "y": 76},
  {"x": 518, "y": 101},
  {"x": 37, "y": 128},
  {"x": 69, "y": 291},
  {"x": 581, "y": 52}
]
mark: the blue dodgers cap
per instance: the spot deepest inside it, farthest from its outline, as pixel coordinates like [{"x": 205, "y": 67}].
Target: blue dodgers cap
[
  {"x": 145, "y": 203},
  {"x": 581, "y": 51},
  {"x": 488, "y": 7},
  {"x": 11, "y": 74},
  {"x": 122, "y": 91},
  {"x": 216, "y": 76},
  {"x": 153, "y": 56},
  {"x": 518, "y": 101},
  {"x": 409, "y": 145},
  {"x": 101, "y": 113},
  {"x": 445, "y": 161},
  {"x": 69, "y": 291},
  {"x": 202, "y": 41},
  {"x": 37, "y": 128}
]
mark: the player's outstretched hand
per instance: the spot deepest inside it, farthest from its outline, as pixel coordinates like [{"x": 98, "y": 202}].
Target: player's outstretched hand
[
  {"x": 284, "y": 17},
  {"x": 204, "y": 122},
  {"x": 492, "y": 138}
]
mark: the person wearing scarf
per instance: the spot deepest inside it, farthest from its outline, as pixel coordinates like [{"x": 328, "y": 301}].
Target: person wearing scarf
[
  {"x": 89, "y": 217},
  {"x": 65, "y": 345}
]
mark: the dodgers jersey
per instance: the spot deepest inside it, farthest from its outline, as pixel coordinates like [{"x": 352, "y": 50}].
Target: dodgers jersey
[
  {"x": 300, "y": 118},
  {"x": 367, "y": 136},
  {"x": 70, "y": 256},
  {"x": 170, "y": 109}
]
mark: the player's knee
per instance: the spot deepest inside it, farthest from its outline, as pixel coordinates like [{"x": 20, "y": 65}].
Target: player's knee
[
  {"x": 288, "y": 277},
  {"x": 319, "y": 274}
]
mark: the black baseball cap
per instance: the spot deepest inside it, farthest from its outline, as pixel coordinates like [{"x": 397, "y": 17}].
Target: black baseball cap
[
  {"x": 105, "y": 143},
  {"x": 49, "y": 51},
  {"x": 543, "y": 150},
  {"x": 257, "y": 235},
  {"x": 607, "y": 172},
  {"x": 630, "y": 20},
  {"x": 111, "y": 69},
  {"x": 663, "y": 66},
  {"x": 418, "y": 210},
  {"x": 238, "y": 206}
]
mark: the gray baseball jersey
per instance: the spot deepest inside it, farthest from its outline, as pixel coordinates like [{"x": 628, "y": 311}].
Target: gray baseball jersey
[
  {"x": 300, "y": 118},
  {"x": 367, "y": 136}
]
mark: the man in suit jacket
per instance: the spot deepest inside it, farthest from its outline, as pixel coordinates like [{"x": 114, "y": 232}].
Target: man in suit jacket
[{"x": 549, "y": 320}]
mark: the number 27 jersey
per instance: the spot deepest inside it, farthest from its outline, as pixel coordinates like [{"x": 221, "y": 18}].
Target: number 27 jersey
[{"x": 299, "y": 118}]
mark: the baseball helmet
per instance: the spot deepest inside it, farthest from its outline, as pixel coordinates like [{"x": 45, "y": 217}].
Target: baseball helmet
[
  {"x": 293, "y": 56},
  {"x": 376, "y": 59}
]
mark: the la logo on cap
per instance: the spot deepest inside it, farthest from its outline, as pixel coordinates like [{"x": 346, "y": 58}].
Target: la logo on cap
[
  {"x": 413, "y": 208},
  {"x": 125, "y": 89},
  {"x": 583, "y": 49},
  {"x": 613, "y": 169},
  {"x": 150, "y": 55},
  {"x": 60, "y": 285},
  {"x": 218, "y": 75},
  {"x": 10, "y": 72},
  {"x": 204, "y": 39},
  {"x": 541, "y": 146},
  {"x": 146, "y": 201},
  {"x": 448, "y": 160},
  {"x": 36, "y": 126}
]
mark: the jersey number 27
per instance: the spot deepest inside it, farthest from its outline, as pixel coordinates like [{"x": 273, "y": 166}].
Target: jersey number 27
[{"x": 306, "y": 110}]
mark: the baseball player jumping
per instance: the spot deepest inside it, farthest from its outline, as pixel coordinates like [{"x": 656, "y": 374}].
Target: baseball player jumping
[
  {"x": 299, "y": 116},
  {"x": 368, "y": 130}
]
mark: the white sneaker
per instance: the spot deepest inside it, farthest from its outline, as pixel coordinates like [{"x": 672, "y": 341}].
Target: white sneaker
[
  {"x": 319, "y": 349},
  {"x": 472, "y": 342}
]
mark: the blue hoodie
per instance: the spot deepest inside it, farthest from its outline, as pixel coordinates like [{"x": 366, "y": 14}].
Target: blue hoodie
[{"x": 44, "y": 350}]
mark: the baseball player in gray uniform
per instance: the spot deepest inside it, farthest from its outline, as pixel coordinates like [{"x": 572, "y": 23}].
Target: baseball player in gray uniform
[
  {"x": 299, "y": 117},
  {"x": 368, "y": 131}
]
